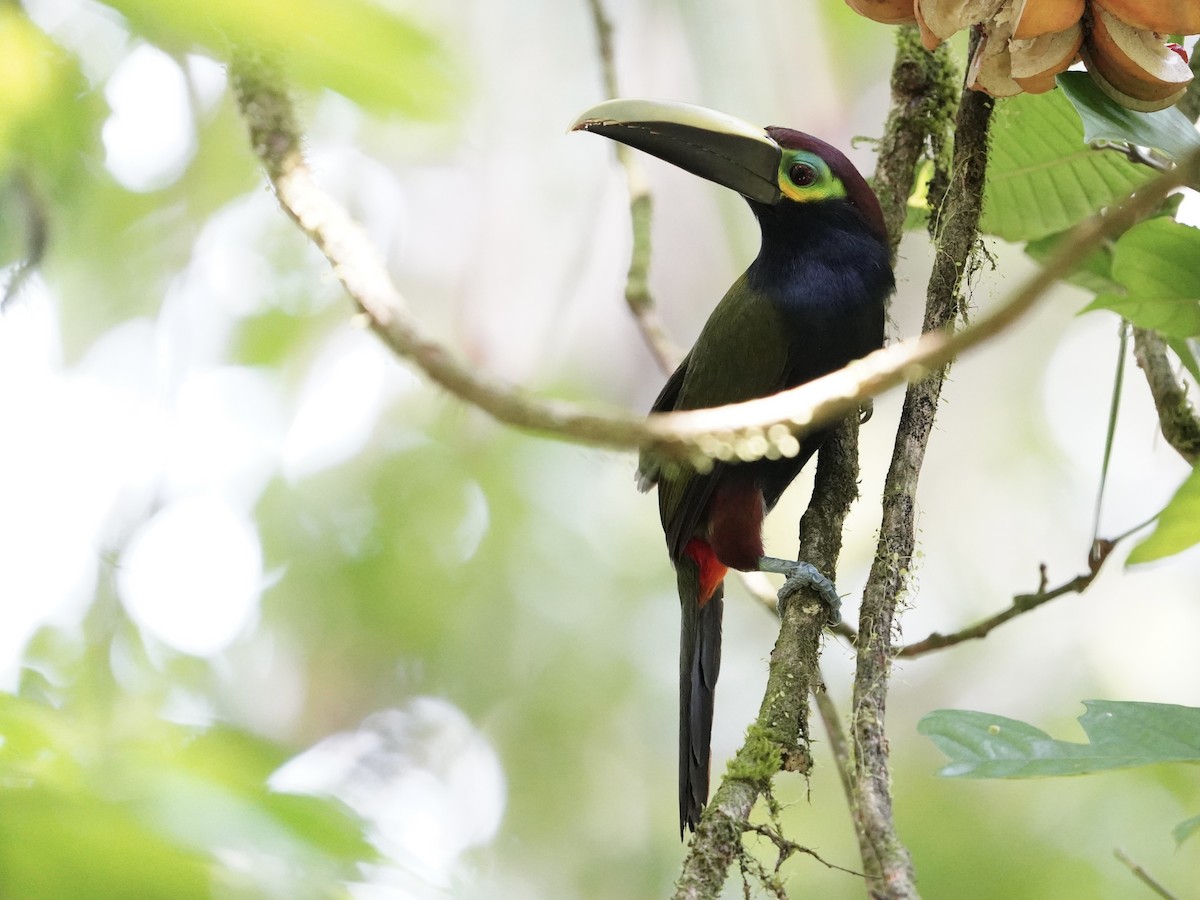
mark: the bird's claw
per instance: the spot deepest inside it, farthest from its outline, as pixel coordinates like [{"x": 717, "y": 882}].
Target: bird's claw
[
  {"x": 801, "y": 575},
  {"x": 808, "y": 575}
]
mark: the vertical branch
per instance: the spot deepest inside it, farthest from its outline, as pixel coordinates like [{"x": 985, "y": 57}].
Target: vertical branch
[
  {"x": 778, "y": 739},
  {"x": 641, "y": 208},
  {"x": 886, "y": 857},
  {"x": 924, "y": 98},
  {"x": 36, "y": 223},
  {"x": 1177, "y": 419},
  {"x": 923, "y": 101}
]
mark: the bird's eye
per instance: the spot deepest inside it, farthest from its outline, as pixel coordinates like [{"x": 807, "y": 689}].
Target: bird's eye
[{"x": 802, "y": 174}]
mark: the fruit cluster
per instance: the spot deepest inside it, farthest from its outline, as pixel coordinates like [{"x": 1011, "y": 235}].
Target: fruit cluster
[{"x": 1025, "y": 43}]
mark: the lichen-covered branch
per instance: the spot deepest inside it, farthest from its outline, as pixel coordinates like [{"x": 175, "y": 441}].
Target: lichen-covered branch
[
  {"x": 924, "y": 99},
  {"x": 1178, "y": 420},
  {"x": 778, "y": 739},
  {"x": 887, "y": 858}
]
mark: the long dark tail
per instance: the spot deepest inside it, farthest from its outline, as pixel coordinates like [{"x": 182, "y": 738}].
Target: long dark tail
[{"x": 699, "y": 665}]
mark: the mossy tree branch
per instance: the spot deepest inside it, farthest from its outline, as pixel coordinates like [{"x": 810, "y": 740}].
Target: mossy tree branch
[
  {"x": 924, "y": 99},
  {"x": 885, "y": 857},
  {"x": 1177, "y": 418},
  {"x": 779, "y": 739}
]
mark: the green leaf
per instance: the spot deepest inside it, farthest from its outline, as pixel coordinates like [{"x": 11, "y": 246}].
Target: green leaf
[
  {"x": 1092, "y": 273},
  {"x": 1183, "y": 349},
  {"x": 1155, "y": 261},
  {"x": 1185, "y": 829},
  {"x": 1170, "y": 315},
  {"x": 1178, "y": 525},
  {"x": 358, "y": 48},
  {"x": 1153, "y": 264},
  {"x": 1167, "y": 130},
  {"x": 1042, "y": 177},
  {"x": 1121, "y": 734}
]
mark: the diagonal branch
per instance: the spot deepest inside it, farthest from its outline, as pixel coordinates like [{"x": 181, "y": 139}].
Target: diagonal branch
[
  {"x": 747, "y": 431},
  {"x": 1022, "y": 603}
]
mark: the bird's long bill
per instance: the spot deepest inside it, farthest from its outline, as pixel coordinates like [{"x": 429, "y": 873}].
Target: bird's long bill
[{"x": 710, "y": 144}]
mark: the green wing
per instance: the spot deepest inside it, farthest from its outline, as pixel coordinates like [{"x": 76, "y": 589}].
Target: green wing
[{"x": 740, "y": 354}]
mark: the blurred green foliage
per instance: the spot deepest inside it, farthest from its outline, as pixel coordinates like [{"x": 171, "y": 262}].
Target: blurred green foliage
[
  {"x": 384, "y": 61},
  {"x": 49, "y": 117},
  {"x": 113, "y": 801},
  {"x": 521, "y": 580}
]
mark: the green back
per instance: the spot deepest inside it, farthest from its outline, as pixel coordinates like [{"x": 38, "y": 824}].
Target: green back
[{"x": 740, "y": 354}]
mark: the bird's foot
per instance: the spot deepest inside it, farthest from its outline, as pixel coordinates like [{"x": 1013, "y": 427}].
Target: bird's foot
[
  {"x": 866, "y": 411},
  {"x": 801, "y": 575}
]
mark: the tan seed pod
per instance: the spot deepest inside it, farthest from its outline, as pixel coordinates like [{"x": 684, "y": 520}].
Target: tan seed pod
[
  {"x": 1036, "y": 61},
  {"x": 1126, "y": 100},
  {"x": 1134, "y": 63},
  {"x": 889, "y": 12},
  {"x": 990, "y": 69},
  {"x": 1035, "y": 18},
  {"x": 944, "y": 18},
  {"x": 1163, "y": 16},
  {"x": 929, "y": 40}
]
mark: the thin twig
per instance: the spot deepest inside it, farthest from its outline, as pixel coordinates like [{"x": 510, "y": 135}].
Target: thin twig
[
  {"x": 1022, "y": 603},
  {"x": 1178, "y": 420},
  {"x": 637, "y": 281},
  {"x": 839, "y": 746},
  {"x": 1144, "y": 156},
  {"x": 1114, "y": 409},
  {"x": 788, "y": 848},
  {"x": 748, "y": 431},
  {"x": 1142, "y": 875}
]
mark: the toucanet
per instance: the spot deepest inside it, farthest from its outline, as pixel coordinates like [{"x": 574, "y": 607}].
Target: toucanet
[{"x": 811, "y": 302}]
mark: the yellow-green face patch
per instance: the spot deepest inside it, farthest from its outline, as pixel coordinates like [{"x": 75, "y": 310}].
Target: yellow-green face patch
[{"x": 805, "y": 177}]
